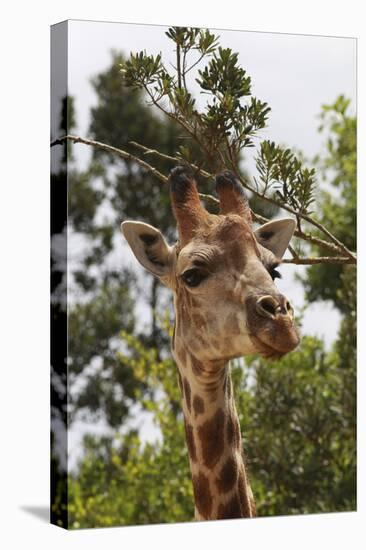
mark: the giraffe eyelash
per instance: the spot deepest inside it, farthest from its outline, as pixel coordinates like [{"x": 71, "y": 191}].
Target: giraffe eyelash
[{"x": 273, "y": 271}]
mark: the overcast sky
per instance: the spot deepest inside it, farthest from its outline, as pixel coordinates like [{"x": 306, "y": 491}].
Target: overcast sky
[{"x": 294, "y": 74}]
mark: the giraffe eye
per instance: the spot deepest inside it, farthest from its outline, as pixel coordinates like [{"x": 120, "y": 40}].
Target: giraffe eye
[{"x": 193, "y": 277}]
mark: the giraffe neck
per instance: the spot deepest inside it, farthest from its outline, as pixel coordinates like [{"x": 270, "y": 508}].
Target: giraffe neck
[{"x": 220, "y": 484}]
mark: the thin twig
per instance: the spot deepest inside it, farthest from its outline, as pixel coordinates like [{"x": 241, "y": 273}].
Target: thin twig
[
  {"x": 293, "y": 251},
  {"x": 209, "y": 198},
  {"x": 318, "y": 260},
  {"x": 110, "y": 149},
  {"x": 195, "y": 63},
  {"x": 338, "y": 243},
  {"x": 148, "y": 151}
]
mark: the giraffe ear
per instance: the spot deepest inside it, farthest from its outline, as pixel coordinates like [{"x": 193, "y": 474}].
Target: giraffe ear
[
  {"x": 276, "y": 235},
  {"x": 149, "y": 247}
]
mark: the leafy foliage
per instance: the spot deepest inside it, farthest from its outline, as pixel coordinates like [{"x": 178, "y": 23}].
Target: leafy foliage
[
  {"x": 337, "y": 206},
  {"x": 280, "y": 169},
  {"x": 301, "y": 432},
  {"x": 231, "y": 118}
]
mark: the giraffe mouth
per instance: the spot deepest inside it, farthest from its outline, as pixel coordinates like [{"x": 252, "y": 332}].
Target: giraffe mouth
[
  {"x": 274, "y": 344},
  {"x": 265, "y": 350}
]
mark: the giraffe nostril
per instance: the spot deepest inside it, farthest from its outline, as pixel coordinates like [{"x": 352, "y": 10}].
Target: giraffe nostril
[
  {"x": 272, "y": 306},
  {"x": 267, "y": 306}
]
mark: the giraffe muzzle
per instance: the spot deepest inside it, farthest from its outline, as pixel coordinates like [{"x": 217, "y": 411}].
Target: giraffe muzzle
[{"x": 271, "y": 325}]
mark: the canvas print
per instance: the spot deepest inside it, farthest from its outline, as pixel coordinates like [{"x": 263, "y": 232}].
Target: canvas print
[{"x": 203, "y": 274}]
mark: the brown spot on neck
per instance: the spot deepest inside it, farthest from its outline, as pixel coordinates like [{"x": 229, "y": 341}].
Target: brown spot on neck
[
  {"x": 211, "y": 435},
  {"x": 228, "y": 475},
  {"x": 198, "y": 405},
  {"x": 202, "y": 495}
]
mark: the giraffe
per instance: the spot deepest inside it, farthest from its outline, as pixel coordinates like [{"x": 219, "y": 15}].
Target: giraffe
[{"x": 226, "y": 305}]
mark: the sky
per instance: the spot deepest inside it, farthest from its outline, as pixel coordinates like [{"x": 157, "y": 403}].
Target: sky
[{"x": 294, "y": 74}]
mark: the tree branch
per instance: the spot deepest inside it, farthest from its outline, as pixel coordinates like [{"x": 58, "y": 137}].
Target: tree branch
[
  {"x": 260, "y": 219},
  {"x": 148, "y": 151},
  {"x": 156, "y": 153},
  {"x": 338, "y": 246},
  {"x": 113, "y": 150},
  {"x": 350, "y": 257},
  {"x": 318, "y": 260},
  {"x": 293, "y": 251}
]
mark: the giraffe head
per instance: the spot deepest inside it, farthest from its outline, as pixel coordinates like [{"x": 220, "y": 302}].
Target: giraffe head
[{"x": 221, "y": 273}]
